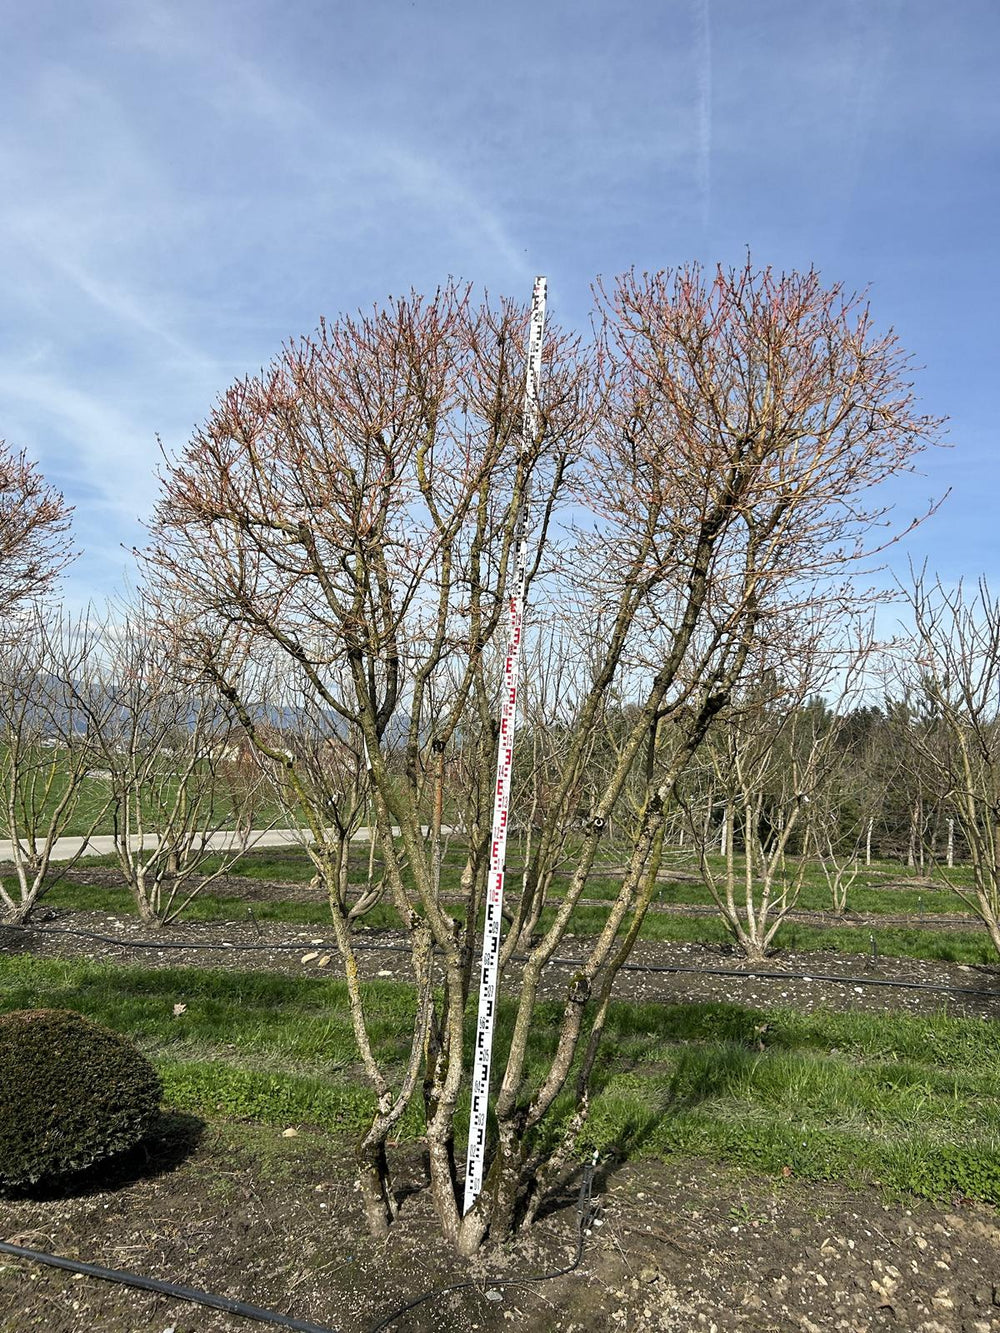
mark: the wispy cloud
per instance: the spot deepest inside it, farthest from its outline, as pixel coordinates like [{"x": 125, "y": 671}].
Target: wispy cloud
[
  {"x": 52, "y": 248},
  {"x": 406, "y": 181},
  {"x": 871, "y": 34},
  {"x": 108, "y": 448},
  {"x": 439, "y": 191}
]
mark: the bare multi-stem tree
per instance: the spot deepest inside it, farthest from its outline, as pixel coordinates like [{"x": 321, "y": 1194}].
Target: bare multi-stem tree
[
  {"x": 952, "y": 664},
  {"x": 158, "y": 744},
  {"x": 701, "y": 471},
  {"x": 34, "y": 532},
  {"x": 850, "y": 801},
  {"x": 314, "y": 765},
  {"x": 772, "y": 758},
  {"x": 46, "y": 788}
]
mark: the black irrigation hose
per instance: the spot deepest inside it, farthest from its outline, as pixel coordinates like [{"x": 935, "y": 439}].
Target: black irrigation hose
[
  {"x": 194, "y": 944},
  {"x": 760, "y": 975},
  {"x": 586, "y": 1212},
  {"x": 167, "y": 1289}
]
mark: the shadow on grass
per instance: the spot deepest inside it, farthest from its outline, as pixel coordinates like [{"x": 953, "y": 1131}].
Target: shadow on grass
[
  {"x": 700, "y": 1074},
  {"x": 173, "y": 1138}
]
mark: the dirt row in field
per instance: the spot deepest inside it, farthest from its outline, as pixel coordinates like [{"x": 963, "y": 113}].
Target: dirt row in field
[{"x": 657, "y": 970}]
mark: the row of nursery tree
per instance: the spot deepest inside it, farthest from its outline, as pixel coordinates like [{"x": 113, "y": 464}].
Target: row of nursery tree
[
  {"x": 102, "y": 732},
  {"x": 327, "y": 579}
]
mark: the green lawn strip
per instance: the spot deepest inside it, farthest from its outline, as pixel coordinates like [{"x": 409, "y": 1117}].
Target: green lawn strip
[
  {"x": 911, "y": 1102},
  {"x": 912, "y": 1162},
  {"x": 649, "y": 1032},
  {"x": 89, "y": 897},
  {"x": 304, "y": 1018},
  {"x": 209, "y": 906},
  {"x": 92, "y": 796},
  {"x": 955, "y": 946},
  {"x": 211, "y": 1089},
  {"x": 813, "y": 897},
  {"x": 970, "y": 947}
]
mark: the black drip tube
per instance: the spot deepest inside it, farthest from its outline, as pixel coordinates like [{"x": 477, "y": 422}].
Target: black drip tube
[{"x": 166, "y": 1289}]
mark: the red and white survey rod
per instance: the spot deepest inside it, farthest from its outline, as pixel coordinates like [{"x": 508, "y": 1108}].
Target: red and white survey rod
[{"x": 505, "y": 763}]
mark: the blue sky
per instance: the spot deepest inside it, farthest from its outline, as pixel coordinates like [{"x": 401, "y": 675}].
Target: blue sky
[{"x": 185, "y": 185}]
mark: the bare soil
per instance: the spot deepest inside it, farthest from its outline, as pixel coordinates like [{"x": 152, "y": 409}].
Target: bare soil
[
  {"x": 273, "y": 1221},
  {"x": 247, "y": 1212}
]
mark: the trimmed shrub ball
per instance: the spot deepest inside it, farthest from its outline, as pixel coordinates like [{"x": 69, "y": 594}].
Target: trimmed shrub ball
[{"x": 72, "y": 1093}]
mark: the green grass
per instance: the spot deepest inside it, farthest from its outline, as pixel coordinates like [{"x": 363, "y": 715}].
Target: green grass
[
  {"x": 51, "y": 766},
  {"x": 867, "y": 894},
  {"x": 210, "y": 906},
  {"x": 910, "y": 1102},
  {"x": 957, "y": 946}
]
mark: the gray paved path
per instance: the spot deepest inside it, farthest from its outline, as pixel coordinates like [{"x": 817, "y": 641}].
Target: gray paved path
[{"x": 103, "y": 844}]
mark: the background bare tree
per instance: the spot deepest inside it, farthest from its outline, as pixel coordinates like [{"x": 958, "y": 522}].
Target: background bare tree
[
  {"x": 46, "y": 788},
  {"x": 313, "y": 763},
  {"x": 718, "y": 445},
  {"x": 34, "y": 531},
  {"x": 771, "y": 756},
  {"x": 952, "y": 663},
  {"x": 158, "y": 744}
]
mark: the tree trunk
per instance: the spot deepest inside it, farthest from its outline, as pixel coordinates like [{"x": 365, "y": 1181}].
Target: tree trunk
[
  {"x": 753, "y": 950},
  {"x": 21, "y": 912},
  {"x": 911, "y": 851},
  {"x": 374, "y": 1182}
]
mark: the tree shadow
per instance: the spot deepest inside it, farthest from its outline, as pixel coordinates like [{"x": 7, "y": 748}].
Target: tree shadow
[
  {"x": 695, "y": 1079},
  {"x": 172, "y": 1139}
]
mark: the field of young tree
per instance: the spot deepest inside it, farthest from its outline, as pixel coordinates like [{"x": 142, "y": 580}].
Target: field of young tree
[{"x": 751, "y": 920}]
